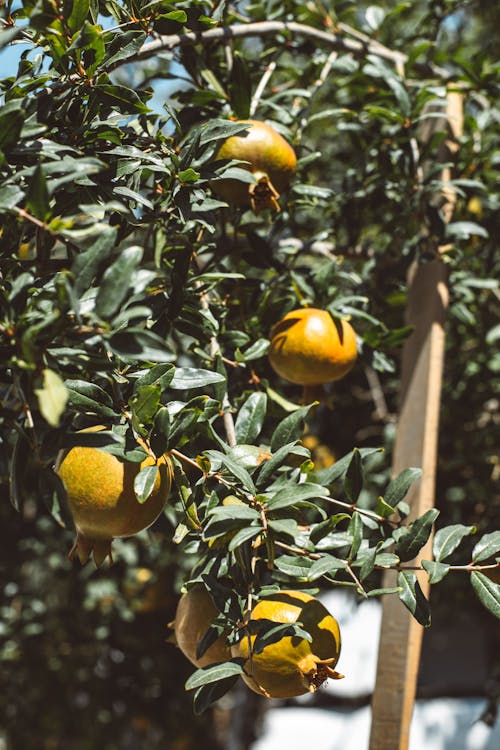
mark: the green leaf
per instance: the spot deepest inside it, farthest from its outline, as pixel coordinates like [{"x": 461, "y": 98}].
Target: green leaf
[
  {"x": 326, "y": 564},
  {"x": 487, "y": 591},
  {"x": 12, "y": 117},
  {"x": 243, "y": 535},
  {"x": 353, "y": 482},
  {"x": 236, "y": 470},
  {"x": 78, "y": 15},
  {"x": 114, "y": 288},
  {"x": 250, "y": 418},
  {"x": 487, "y": 546},
  {"x": 190, "y": 377},
  {"x": 368, "y": 562},
  {"x": 291, "y": 428},
  {"x": 161, "y": 431},
  {"x": 10, "y": 196},
  {"x": 188, "y": 175},
  {"x": 294, "y": 494},
  {"x": 320, "y": 530},
  {"x": 144, "y": 482},
  {"x": 52, "y": 397},
  {"x": 400, "y": 485},
  {"x": 448, "y": 539},
  {"x": 138, "y": 344},
  {"x": 436, "y": 570},
  {"x": 144, "y": 403},
  {"x": 240, "y": 87},
  {"x": 296, "y": 567},
  {"x": 207, "y": 675},
  {"x": 413, "y": 597},
  {"x": 339, "y": 468},
  {"x": 176, "y": 15},
  {"x": 273, "y": 633},
  {"x": 411, "y": 540},
  {"x": 89, "y": 397},
  {"x": 87, "y": 263},
  {"x": 272, "y": 464},
  {"x": 206, "y": 695},
  {"x": 37, "y": 198},
  {"x": 382, "y": 508},
  {"x": 186, "y": 495},
  {"x": 256, "y": 350},
  {"x": 355, "y": 529}
]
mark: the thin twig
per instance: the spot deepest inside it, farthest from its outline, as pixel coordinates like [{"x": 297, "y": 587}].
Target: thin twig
[{"x": 261, "y": 87}]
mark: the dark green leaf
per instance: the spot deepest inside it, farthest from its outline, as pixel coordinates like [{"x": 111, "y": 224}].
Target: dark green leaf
[
  {"x": 11, "y": 122},
  {"x": 116, "y": 282},
  {"x": 206, "y": 695},
  {"x": 90, "y": 398},
  {"x": 296, "y": 567},
  {"x": 243, "y": 535},
  {"x": 256, "y": 350},
  {"x": 400, "y": 485},
  {"x": 290, "y": 429},
  {"x": 487, "y": 591},
  {"x": 272, "y": 464},
  {"x": 251, "y": 417},
  {"x": 411, "y": 540},
  {"x": 207, "y": 675},
  {"x": 237, "y": 471},
  {"x": 353, "y": 482},
  {"x": 138, "y": 344},
  {"x": 240, "y": 87},
  {"x": 37, "y": 198},
  {"x": 326, "y": 564},
  {"x": 339, "y": 468},
  {"x": 436, "y": 570},
  {"x": 487, "y": 546},
  {"x": 87, "y": 263},
  {"x": 294, "y": 494},
  {"x": 189, "y": 377},
  {"x": 413, "y": 598},
  {"x": 355, "y": 529},
  {"x": 448, "y": 539}
]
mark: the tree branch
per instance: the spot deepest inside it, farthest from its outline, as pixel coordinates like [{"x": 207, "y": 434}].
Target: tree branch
[{"x": 265, "y": 28}]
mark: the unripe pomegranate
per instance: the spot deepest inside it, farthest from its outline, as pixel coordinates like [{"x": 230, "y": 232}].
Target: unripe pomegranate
[
  {"x": 271, "y": 160},
  {"x": 195, "y": 613},
  {"x": 102, "y": 501},
  {"x": 293, "y": 665}
]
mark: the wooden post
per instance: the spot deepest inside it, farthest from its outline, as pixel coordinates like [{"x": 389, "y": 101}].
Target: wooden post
[{"x": 416, "y": 445}]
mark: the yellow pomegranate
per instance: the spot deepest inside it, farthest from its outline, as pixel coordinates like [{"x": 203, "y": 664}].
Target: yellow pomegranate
[
  {"x": 307, "y": 348},
  {"x": 102, "y": 501},
  {"x": 291, "y": 666},
  {"x": 195, "y": 613},
  {"x": 271, "y": 160}
]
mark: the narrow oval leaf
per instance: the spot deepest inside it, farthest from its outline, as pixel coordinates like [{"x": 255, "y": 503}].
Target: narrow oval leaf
[
  {"x": 353, "y": 482},
  {"x": 206, "y": 695},
  {"x": 326, "y": 564},
  {"x": 295, "y": 494},
  {"x": 89, "y": 397},
  {"x": 413, "y": 598},
  {"x": 400, "y": 485},
  {"x": 410, "y": 543},
  {"x": 116, "y": 282},
  {"x": 251, "y": 418},
  {"x": 190, "y": 377},
  {"x": 144, "y": 482},
  {"x": 436, "y": 570},
  {"x": 487, "y": 591},
  {"x": 290, "y": 429},
  {"x": 448, "y": 539},
  {"x": 487, "y": 546},
  {"x": 207, "y": 675}
]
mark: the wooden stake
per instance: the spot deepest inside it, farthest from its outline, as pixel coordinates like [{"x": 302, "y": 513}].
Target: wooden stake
[{"x": 416, "y": 445}]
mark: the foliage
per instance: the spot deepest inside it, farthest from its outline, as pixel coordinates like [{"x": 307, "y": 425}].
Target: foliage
[{"x": 133, "y": 298}]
